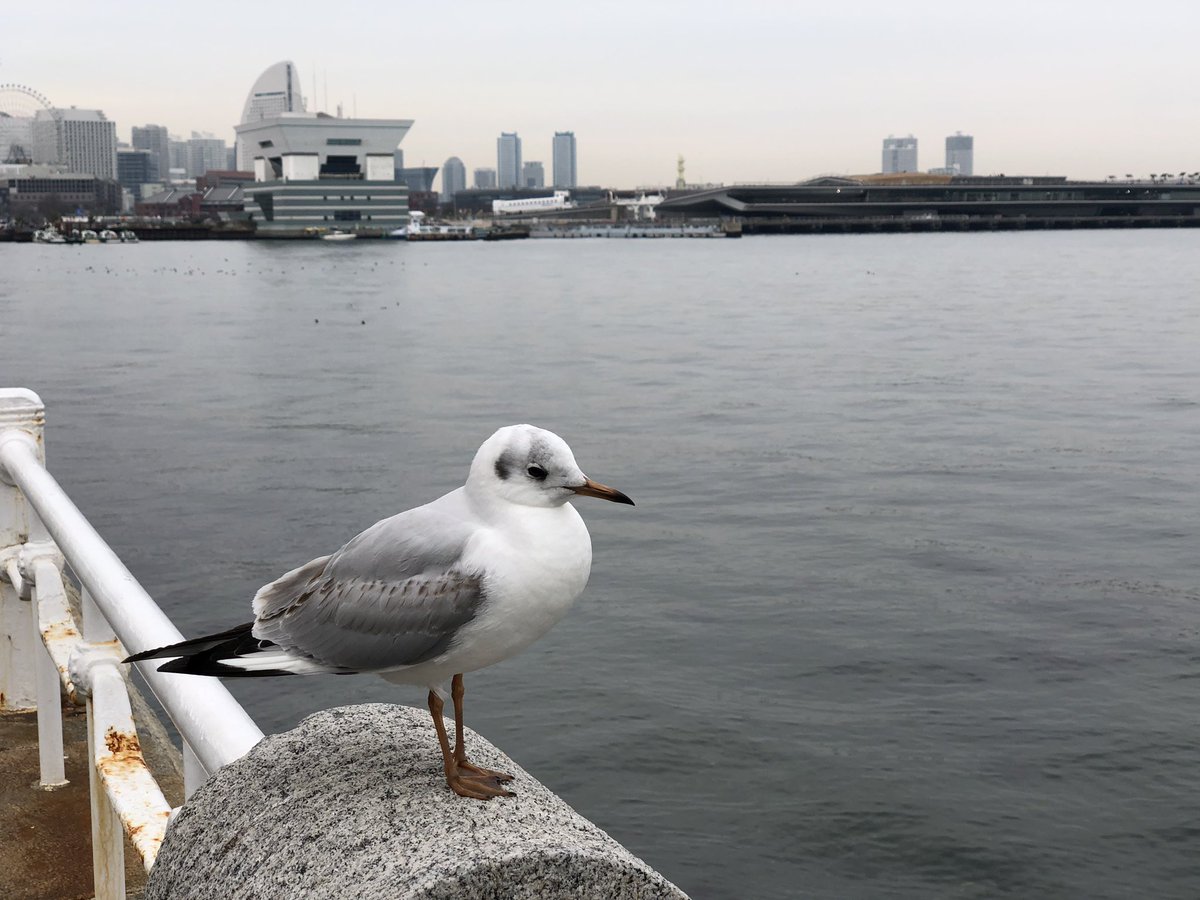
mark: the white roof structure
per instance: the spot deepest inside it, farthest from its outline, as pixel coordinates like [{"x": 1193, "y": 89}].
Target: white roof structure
[{"x": 335, "y": 144}]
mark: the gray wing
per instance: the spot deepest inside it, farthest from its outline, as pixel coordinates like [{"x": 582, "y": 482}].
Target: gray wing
[{"x": 394, "y": 596}]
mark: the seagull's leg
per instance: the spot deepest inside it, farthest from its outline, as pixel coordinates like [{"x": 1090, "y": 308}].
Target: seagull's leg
[
  {"x": 463, "y": 785},
  {"x": 460, "y": 748}
]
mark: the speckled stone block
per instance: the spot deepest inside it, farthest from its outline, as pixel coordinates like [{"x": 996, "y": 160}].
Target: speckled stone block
[{"x": 352, "y": 804}]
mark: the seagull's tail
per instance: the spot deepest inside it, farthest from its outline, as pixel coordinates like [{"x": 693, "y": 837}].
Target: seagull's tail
[{"x": 233, "y": 653}]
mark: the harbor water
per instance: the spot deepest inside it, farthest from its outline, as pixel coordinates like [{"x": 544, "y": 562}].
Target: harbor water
[{"x": 909, "y": 605}]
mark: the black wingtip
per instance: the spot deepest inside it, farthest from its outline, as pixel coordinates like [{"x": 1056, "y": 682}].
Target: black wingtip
[
  {"x": 145, "y": 654},
  {"x": 234, "y": 637},
  {"x": 203, "y": 665}
]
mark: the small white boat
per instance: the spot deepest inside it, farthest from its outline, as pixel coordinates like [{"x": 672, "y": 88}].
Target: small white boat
[
  {"x": 339, "y": 236},
  {"x": 421, "y": 229},
  {"x": 128, "y": 237},
  {"x": 89, "y": 236},
  {"x": 48, "y": 235},
  {"x": 109, "y": 235}
]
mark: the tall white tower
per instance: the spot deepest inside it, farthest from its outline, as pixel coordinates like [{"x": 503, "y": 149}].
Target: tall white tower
[{"x": 565, "y": 173}]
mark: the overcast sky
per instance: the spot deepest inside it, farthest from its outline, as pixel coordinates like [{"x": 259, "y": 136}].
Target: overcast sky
[{"x": 745, "y": 91}]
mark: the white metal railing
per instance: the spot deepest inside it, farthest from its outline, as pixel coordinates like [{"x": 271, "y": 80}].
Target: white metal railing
[{"x": 44, "y": 652}]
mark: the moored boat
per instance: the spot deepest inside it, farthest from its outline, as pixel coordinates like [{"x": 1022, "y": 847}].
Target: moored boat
[{"x": 48, "y": 235}]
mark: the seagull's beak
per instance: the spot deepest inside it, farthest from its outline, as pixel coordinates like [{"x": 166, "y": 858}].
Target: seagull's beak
[{"x": 591, "y": 488}]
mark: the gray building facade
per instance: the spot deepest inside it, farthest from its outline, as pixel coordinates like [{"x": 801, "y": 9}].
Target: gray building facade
[
  {"x": 135, "y": 168},
  {"x": 508, "y": 159},
  {"x": 155, "y": 139},
  {"x": 485, "y": 178},
  {"x": 533, "y": 175},
  {"x": 205, "y": 152},
  {"x": 960, "y": 154},
  {"x": 454, "y": 178},
  {"x": 87, "y": 141},
  {"x": 566, "y": 175},
  {"x": 899, "y": 155}
]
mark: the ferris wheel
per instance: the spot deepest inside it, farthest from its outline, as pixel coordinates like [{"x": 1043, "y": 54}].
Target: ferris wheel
[{"x": 20, "y": 139}]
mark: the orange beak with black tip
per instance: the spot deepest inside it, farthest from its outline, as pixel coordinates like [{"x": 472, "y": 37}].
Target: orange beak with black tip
[{"x": 591, "y": 488}]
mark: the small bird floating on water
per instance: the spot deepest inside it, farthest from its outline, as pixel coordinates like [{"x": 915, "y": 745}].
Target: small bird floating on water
[{"x": 427, "y": 595}]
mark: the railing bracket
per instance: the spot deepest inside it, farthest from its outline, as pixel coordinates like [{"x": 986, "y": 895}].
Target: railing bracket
[{"x": 85, "y": 658}]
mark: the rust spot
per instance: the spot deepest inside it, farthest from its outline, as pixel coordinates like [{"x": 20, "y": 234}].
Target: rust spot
[
  {"x": 58, "y": 631},
  {"x": 121, "y": 744}
]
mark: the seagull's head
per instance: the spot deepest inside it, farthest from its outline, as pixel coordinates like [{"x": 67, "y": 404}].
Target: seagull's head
[{"x": 531, "y": 466}]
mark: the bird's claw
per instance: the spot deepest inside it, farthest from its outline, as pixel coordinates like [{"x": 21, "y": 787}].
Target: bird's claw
[{"x": 479, "y": 787}]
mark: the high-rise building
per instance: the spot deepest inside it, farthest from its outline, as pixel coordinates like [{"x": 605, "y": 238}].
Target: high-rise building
[
  {"x": 899, "y": 154},
  {"x": 508, "y": 160},
  {"x": 454, "y": 178},
  {"x": 135, "y": 168},
  {"x": 276, "y": 91},
  {"x": 565, "y": 173},
  {"x": 87, "y": 140},
  {"x": 485, "y": 178},
  {"x": 16, "y": 139},
  {"x": 155, "y": 139},
  {"x": 204, "y": 152},
  {"x": 960, "y": 153},
  {"x": 177, "y": 157},
  {"x": 533, "y": 175},
  {"x": 418, "y": 178}
]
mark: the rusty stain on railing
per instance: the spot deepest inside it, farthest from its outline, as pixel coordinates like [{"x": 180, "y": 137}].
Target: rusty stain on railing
[
  {"x": 134, "y": 794},
  {"x": 92, "y": 668},
  {"x": 117, "y": 755}
]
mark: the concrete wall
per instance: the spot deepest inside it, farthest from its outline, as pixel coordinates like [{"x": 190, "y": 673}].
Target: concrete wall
[{"x": 352, "y": 803}]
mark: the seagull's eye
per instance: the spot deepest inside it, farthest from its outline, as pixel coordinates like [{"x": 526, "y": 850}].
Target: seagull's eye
[{"x": 537, "y": 472}]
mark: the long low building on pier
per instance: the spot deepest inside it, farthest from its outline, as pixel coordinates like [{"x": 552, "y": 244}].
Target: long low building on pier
[{"x": 926, "y": 202}]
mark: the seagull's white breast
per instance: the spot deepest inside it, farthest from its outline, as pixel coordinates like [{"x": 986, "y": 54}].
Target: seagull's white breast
[
  {"x": 535, "y": 566},
  {"x": 536, "y": 562}
]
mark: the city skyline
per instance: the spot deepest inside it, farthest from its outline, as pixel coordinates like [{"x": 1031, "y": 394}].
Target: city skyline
[{"x": 1036, "y": 87}]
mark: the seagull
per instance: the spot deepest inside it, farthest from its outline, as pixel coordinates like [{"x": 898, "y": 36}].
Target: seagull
[{"x": 423, "y": 597}]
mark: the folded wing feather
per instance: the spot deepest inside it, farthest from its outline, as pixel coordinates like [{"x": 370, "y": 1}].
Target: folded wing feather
[{"x": 406, "y": 611}]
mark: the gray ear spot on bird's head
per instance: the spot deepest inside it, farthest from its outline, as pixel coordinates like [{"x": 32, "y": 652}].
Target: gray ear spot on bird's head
[{"x": 504, "y": 466}]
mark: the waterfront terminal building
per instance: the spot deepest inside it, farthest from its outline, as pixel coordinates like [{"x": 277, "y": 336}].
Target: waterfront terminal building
[
  {"x": 314, "y": 173},
  {"x": 920, "y": 202}
]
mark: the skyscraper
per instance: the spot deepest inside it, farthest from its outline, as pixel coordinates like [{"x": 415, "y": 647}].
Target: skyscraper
[
  {"x": 88, "y": 140},
  {"x": 533, "y": 175},
  {"x": 204, "y": 152},
  {"x": 276, "y": 91},
  {"x": 508, "y": 159},
  {"x": 135, "y": 167},
  {"x": 960, "y": 153},
  {"x": 155, "y": 139},
  {"x": 16, "y": 138},
  {"x": 454, "y": 178},
  {"x": 485, "y": 178},
  {"x": 565, "y": 173},
  {"x": 899, "y": 154}
]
